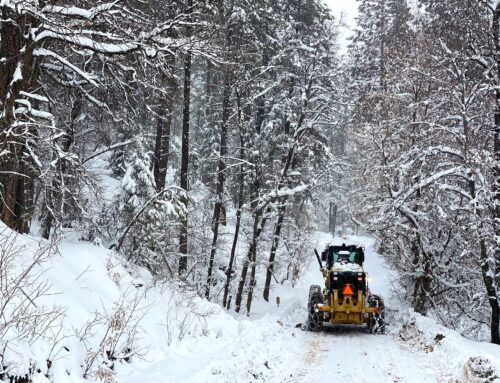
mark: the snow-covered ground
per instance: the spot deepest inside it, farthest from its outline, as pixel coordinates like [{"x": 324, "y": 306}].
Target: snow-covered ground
[{"x": 181, "y": 338}]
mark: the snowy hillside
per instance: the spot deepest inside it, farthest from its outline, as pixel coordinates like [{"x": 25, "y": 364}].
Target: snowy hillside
[{"x": 111, "y": 323}]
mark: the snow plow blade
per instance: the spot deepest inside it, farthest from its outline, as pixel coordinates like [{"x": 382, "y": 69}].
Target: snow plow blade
[{"x": 348, "y": 310}]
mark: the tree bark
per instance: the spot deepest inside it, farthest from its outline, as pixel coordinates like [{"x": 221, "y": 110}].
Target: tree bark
[
  {"x": 183, "y": 240},
  {"x": 232, "y": 257},
  {"x": 163, "y": 128},
  {"x": 332, "y": 219},
  {"x": 207, "y": 167},
  {"x": 274, "y": 248},
  {"x": 489, "y": 283},
  {"x": 490, "y": 268},
  {"x": 15, "y": 179},
  {"x": 383, "y": 70},
  {"x": 239, "y": 209},
  {"x": 258, "y": 225}
]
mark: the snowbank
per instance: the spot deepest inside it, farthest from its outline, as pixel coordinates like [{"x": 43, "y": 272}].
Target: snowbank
[{"x": 107, "y": 319}]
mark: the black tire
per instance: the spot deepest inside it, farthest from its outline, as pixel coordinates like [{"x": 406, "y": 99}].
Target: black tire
[
  {"x": 314, "y": 318},
  {"x": 376, "y": 322}
]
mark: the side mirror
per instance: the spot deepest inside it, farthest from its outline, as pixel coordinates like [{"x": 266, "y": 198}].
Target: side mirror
[
  {"x": 323, "y": 255},
  {"x": 318, "y": 258}
]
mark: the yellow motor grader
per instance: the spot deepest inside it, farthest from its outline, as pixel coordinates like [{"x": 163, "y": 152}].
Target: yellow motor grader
[{"x": 345, "y": 298}]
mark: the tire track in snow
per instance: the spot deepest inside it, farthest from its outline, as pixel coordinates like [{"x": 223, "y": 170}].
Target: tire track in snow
[
  {"x": 350, "y": 355},
  {"x": 310, "y": 359}
]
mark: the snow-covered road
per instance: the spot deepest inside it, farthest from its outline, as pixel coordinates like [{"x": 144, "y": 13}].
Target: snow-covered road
[{"x": 349, "y": 353}]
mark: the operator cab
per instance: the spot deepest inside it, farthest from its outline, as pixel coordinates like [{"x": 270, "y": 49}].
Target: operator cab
[
  {"x": 343, "y": 254},
  {"x": 344, "y": 266}
]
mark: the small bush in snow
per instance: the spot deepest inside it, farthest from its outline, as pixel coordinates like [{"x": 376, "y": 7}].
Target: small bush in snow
[{"x": 25, "y": 323}]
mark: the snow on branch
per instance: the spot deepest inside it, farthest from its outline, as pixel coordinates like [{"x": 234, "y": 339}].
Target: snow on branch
[
  {"x": 45, "y": 52},
  {"x": 282, "y": 192},
  {"x": 34, "y": 96},
  {"x": 107, "y": 149},
  {"x": 79, "y": 12},
  {"x": 85, "y": 42},
  {"x": 400, "y": 198}
]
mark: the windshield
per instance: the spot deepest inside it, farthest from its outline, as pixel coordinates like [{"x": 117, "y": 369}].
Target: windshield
[{"x": 345, "y": 256}]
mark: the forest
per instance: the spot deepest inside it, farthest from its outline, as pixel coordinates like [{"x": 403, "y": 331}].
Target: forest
[{"x": 207, "y": 141}]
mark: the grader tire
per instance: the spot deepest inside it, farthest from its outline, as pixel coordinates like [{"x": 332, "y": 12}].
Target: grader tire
[
  {"x": 376, "y": 323},
  {"x": 314, "y": 318}
]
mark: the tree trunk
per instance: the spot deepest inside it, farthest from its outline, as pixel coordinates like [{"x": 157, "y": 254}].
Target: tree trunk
[
  {"x": 332, "y": 219},
  {"x": 162, "y": 147},
  {"x": 183, "y": 240},
  {"x": 258, "y": 225},
  {"x": 490, "y": 285},
  {"x": 253, "y": 271},
  {"x": 16, "y": 179},
  {"x": 274, "y": 248},
  {"x": 289, "y": 161},
  {"x": 383, "y": 74},
  {"x": 423, "y": 288},
  {"x": 239, "y": 210},
  {"x": 255, "y": 186},
  {"x": 487, "y": 264},
  {"x": 255, "y": 189},
  {"x": 232, "y": 257},
  {"x": 163, "y": 128},
  {"x": 421, "y": 260},
  {"x": 207, "y": 169}
]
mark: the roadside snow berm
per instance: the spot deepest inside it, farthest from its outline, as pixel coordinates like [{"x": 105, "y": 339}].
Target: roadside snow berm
[{"x": 345, "y": 298}]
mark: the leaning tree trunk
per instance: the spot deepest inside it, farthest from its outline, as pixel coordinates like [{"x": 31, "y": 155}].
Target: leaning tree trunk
[
  {"x": 229, "y": 270},
  {"x": 255, "y": 186},
  {"x": 282, "y": 207},
  {"x": 274, "y": 248},
  {"x": 258, "y": 225}
]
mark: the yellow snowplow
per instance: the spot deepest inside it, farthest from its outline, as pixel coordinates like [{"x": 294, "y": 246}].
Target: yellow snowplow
[{"x": 345, "y": 298}]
